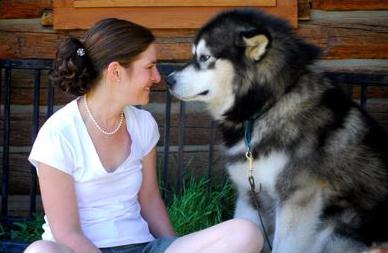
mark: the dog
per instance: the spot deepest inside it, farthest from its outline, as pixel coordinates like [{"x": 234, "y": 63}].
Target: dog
[{"x": 318, "y": 162}]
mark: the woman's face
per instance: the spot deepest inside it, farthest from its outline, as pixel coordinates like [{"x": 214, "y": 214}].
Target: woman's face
[{"x": 140, "y": 76}]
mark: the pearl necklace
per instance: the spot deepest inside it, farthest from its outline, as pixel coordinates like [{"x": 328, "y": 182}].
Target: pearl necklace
[{"x": 98, "y": 126}]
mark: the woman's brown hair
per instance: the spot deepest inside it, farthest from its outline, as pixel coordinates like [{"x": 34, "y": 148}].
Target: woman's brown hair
[{"x": 79, "y": 63}]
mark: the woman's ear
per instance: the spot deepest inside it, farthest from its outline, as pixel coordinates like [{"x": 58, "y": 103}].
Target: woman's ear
[{"x": 114, "y": 71}]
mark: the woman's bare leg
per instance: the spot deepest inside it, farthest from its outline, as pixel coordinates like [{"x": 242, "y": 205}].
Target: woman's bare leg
[
  {"x": 47, "y": 247},
  {"x": 233, "y": 236}
]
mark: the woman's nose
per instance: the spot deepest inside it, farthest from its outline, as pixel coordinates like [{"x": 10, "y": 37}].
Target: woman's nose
[{"x": 156, "y": 76}]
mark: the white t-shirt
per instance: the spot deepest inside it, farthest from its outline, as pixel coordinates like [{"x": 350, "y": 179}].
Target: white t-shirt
[{"x": 108, "y": 203}]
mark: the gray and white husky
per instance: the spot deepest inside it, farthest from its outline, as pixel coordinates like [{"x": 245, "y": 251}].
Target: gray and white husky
[{"x": 320, "y": 163}]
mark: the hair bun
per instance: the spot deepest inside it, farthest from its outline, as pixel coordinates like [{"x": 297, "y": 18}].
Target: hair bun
[{"x": 73, "y": 71}]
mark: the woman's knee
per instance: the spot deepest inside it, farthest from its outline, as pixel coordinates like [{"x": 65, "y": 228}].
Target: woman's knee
[
  {"x": 247, "y": 233},
  {"x": 245, "y": 225},
  {"x": 47, "y": 247}
]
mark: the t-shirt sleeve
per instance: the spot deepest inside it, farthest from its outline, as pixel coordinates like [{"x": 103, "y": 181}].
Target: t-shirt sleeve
[
  {"x": 51, "y": 148},
  {"x": 150, "y": 133}
]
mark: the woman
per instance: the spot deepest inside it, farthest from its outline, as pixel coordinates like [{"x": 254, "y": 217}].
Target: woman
[{"x": 96, "y": 157}]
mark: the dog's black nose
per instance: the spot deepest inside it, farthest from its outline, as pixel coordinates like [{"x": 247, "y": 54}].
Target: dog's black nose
[{"x": 171, "y": 80}]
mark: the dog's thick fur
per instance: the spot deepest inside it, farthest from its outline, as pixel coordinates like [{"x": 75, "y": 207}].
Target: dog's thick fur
[{"x": 321, "y": 161}]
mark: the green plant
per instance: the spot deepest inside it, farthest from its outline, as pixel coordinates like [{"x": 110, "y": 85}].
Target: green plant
[
  {"x": 2, "y": 232},
  {"x": 197, "y": 207},
  {"x": 28, "y": 230}
]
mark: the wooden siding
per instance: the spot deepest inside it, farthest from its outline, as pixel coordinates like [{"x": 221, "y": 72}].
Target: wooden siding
[
  {"x": 350, "y": 4},
  {"x": 356, "y": 35}
]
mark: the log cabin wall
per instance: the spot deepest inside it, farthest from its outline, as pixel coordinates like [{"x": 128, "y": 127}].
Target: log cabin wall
[{"x": 353, "y": 36}]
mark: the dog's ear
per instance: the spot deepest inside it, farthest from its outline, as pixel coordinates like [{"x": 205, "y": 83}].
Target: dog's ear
[{"x": 255, "y": 41}]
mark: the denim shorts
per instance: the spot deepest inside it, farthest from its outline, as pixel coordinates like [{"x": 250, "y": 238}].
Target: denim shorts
[{"x": 158, "y": 245}]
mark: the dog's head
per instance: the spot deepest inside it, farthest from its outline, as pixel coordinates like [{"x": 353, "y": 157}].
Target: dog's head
[{"x": 240, "y": 62}]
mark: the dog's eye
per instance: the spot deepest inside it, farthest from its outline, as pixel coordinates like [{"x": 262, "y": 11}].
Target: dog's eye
[{"x": 204, "y": 58}]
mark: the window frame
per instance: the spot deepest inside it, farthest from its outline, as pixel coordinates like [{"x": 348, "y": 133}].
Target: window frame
[{"x": 159, "y": 14}]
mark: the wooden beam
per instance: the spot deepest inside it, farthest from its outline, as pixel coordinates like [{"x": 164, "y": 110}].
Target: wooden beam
[
  {"x": 350, "y": 4},
  {"x": 170, "y": 3},
  {"x": 23, "y": 8},
  {"x": 18, "y": 205},
  {"x": 24, "y": 25}
]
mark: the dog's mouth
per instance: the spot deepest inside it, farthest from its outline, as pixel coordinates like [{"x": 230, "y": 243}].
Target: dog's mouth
[
  {"x": 203, "y": 93},
  {"x": 187, "y": 98}
]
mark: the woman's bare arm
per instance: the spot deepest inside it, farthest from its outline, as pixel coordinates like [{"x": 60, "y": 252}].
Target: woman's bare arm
[
  {"x": 153, "y": 209},
  {"x": 61, "y": 209}
]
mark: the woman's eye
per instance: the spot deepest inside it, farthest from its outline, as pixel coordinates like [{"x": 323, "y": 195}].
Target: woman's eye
[{"x": 204, "y": 58}]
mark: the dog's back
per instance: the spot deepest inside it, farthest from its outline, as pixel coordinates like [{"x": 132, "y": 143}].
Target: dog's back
[{"x": 352, "y": 154}]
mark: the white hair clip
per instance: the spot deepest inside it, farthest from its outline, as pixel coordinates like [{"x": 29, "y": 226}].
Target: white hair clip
[{"x": 81, "y": 51}]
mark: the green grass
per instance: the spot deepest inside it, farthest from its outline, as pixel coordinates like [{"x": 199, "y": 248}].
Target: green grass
[
  {"x": 2, "y": 231},
  {"x": 195, "y": 208},
  {"x": 24, "y": 231},
  {"x": 29, "y": 230}
]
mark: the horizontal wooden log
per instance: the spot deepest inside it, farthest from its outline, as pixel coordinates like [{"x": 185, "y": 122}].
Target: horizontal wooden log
[
  {"x": 28, "y": 45},
  {"x": 24, "y": 25},
  {"x": 18, "y": 205},
  {"x": 342, "y": 36},
  {"x": 369, "y": 18},
  {"x": 23, "y": 8},
  {"x": 19, "y": 45},
  {"x": 350, "y": 4},
  {"x": 25, "y": 96},
  {"x": 366, "y": 66},
  {"x": 34, "y": 25},
  {"x": 19, "y": 173}
]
